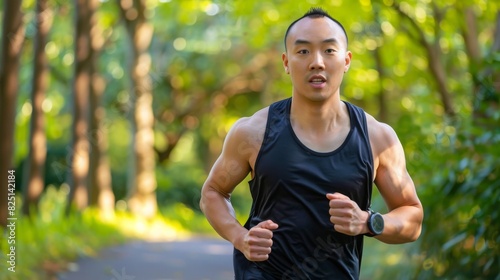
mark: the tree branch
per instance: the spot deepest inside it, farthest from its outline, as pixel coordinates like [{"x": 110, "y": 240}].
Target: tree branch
[
  {"x": 496, "y": 37},
  {"x": 470, "y": 34},
  {"x": 420, "y": 32},
  {"x": 433, "y": 56}
]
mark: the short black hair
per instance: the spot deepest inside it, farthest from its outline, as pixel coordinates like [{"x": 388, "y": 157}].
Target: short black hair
[{"x": 315, "y": 12}]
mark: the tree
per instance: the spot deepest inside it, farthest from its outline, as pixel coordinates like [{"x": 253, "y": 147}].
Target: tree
[
  {"x": 383, "y": 113},
  {"x": 142, "y": 181},
  {"x": 12, "y": 40},
  {"x": 78, "y": 173},
  {"x": 33, "y": 184},
  {"x": 483, "y": 67},
  {"x": 461, "y": 225},
  {"x": 101, "y": 193},
  {"x": 433, "y": 51}
]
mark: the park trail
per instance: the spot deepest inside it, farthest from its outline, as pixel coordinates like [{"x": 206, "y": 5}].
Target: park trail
[{"x": 197, "y": 258}]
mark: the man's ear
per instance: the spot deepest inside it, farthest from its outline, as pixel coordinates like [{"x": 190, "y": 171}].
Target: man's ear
[
  {"x": 284, "y": 57},
  {"x": 348, "y": 58}
]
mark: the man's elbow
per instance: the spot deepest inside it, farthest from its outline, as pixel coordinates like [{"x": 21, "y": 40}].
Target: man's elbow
[
  {"x": 203, "y": 200},
  {"x": 407, "y": 237},
  {"x": 202, "y": 205},
  {"x": 417, "y": 227},
  {"x": 408, "y": 231},
  {"x": 416, "y": 234},
  {"x": 210, "y": 196}
]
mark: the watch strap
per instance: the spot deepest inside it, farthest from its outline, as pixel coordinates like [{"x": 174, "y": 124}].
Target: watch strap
[{"x": 369, "y": 233}]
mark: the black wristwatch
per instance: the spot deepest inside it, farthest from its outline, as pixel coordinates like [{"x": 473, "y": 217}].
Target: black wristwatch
[{"x": 375, "y": 223}]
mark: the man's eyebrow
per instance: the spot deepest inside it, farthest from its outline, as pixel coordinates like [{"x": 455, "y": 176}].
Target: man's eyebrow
[
  {"x": 331, "y": 40},
  {"x": 301, "y": 42},
  {"x": 305, "y": 42}
]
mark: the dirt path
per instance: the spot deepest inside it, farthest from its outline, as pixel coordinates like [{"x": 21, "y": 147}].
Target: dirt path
[{"x": 194, "y": 259}]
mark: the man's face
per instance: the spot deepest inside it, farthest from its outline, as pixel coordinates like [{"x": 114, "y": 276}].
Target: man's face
[{"x": 316, "y": 57}]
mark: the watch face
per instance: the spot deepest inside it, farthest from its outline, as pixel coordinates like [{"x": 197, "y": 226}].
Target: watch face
[{"x": 377, "y": 223}]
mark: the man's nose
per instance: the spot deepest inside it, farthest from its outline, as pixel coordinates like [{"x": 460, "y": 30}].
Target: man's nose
[{"x": 317, "y": 62}]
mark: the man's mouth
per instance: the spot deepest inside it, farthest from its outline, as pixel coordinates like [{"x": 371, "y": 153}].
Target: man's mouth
[{"x": 317, "y": 80}]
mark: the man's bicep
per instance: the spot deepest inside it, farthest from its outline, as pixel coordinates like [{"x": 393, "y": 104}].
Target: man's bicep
[
  {"x": 226, "y": 174},
  {"x": 392, "y": 179},
  {"x": 232, "y": 166},
  {"x": 396, "y": 189}
]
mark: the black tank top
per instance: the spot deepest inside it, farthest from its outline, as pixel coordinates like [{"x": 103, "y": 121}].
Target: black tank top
[{"x": 289, "y": 187}]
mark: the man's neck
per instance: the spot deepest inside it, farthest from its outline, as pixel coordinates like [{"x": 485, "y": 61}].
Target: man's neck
[{"x": 318, "y": 117}]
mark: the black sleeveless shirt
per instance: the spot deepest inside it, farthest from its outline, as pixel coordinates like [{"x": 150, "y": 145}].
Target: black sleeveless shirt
[{"x": 289, "y": 187}]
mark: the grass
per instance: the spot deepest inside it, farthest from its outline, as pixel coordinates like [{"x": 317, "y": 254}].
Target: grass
[{"x": 50, "y": 241}]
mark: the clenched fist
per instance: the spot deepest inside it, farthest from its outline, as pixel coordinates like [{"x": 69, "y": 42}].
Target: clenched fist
[
  {"x": 258, "y": 240},
  {"x": 346, "y": 216}
]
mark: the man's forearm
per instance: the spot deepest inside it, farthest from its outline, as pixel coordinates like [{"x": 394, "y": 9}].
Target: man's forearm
[
  {"x": 220, "y": 214},
  {"x": 402, "y": 225}
]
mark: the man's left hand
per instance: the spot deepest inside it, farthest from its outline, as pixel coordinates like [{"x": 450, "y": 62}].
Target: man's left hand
[{"x": 346, "y": 216}]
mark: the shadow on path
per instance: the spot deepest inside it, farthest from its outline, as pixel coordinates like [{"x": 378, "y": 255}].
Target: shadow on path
[{"x": 193, "y": 259}]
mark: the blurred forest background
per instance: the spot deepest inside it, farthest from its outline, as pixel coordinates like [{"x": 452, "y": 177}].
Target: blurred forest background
[{"x": 113, "y": 111}]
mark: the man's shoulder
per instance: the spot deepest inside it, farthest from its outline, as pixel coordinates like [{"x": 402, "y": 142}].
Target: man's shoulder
[
  {"x": 246, "y": 135},
  {"x": 381, "y": 134},
  {"x": 252, "y": 125},
  {"x": 255, "y": 126}
]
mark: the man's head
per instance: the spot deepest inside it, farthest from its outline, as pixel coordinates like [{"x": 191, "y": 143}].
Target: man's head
[
  {"x": 316, "y": 55},
  {"x": 315, "y": 13}
]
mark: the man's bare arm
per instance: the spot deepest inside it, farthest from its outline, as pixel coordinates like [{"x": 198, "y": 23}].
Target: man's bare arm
[
  {"x": 403, "y": 222},
  {"x": 228, "y": 171},
  {"x": 235, "y": 162}
]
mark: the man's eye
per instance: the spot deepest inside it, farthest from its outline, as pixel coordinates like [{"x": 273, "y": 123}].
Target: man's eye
[
  {"x": 330, "y": 51},
  {"x": 302, "y": 51}
]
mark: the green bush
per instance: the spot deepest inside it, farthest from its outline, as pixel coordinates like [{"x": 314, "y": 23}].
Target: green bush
[{"x": 461, "y": 191}]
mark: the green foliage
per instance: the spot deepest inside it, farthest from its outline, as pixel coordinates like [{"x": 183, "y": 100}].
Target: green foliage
[
  {"x": 179, "y": 183},
  {"x": 461, "y": 237},
  {"x": 188, "y": 218},
  {"x": 46, "y": 242},
  {"x": 226, "y": 55},
  {"x": 382, "y": 261}
]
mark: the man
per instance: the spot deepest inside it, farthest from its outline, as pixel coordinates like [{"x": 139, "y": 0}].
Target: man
[{"x": 313, "y": 159}]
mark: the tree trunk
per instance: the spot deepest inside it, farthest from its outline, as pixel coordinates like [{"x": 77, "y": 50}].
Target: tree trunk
[
  {"x": 142, "y": 180},
  {"x": 12, "y": 40},
  {"x": 434, "y": 56},
  {"x": 495, "y": 48},
  {"x": 486, "y": 81},
  {"x": 101, "y": 193},
  {"x": 80, "y": 146},
  {"x": 383, "y": 113},
  {"x": 35, "y": 165}
]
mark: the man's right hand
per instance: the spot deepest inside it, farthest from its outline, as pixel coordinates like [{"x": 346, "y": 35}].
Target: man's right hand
[{"x": 258, "y": 240}]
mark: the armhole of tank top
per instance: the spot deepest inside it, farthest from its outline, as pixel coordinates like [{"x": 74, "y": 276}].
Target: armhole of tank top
[
  {"x": 264, "y": 140},
  {"x": 365, "y": 127},
  {"x": 364, "y": 123}
]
